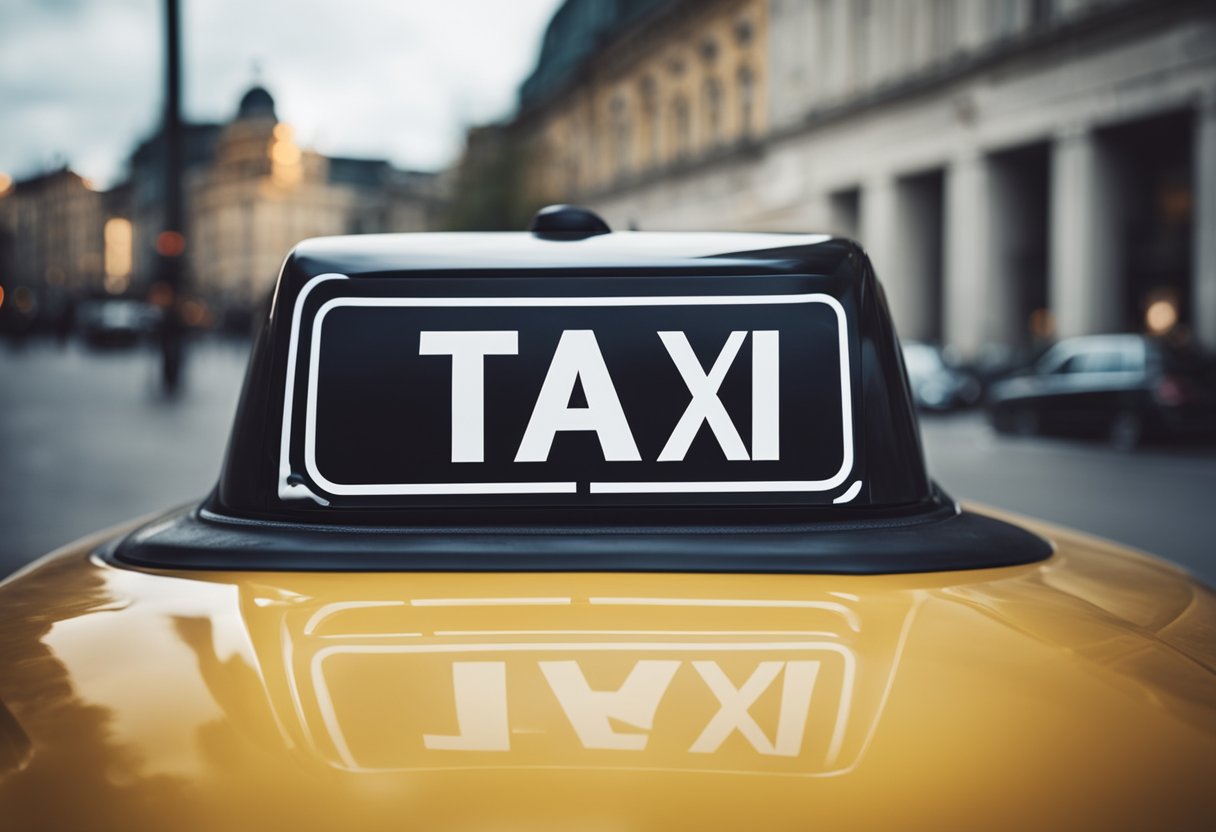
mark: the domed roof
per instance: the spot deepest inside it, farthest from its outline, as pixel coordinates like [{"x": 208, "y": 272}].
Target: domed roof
[{"x": 257, "y": 103}]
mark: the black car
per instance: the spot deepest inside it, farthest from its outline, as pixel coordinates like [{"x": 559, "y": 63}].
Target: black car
[
  {"x": 1123, "y": 387},
  {"x": 115, "y": 322},
  {"x": 937, "y": 383}
]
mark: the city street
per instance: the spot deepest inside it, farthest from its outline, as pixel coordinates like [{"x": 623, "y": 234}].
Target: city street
[{"x": 86, "y": 441}]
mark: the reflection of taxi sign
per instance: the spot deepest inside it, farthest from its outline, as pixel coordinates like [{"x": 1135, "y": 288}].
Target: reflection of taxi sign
[
  {"x": 582, "y": 398},
  {"x": 793, "y": 699}
]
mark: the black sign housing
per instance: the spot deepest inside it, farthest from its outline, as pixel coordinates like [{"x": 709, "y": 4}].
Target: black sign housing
[
  {"x": 406, "y": 378},
  {"x": 577, "y": 400}
]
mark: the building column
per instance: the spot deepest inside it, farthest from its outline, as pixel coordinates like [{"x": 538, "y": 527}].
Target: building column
[
  {"x": 878, "y": 235},
  {"x": 1203, "y": 275},
  {"x": 1083, "y": 263},
  {"x": 966, "y": 252},
  {"x": 877, "y": 222},
  {"x": 840, "y": 69}
]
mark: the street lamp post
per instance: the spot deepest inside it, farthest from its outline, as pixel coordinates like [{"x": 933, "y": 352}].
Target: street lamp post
[{"x": 171, "y": 241}]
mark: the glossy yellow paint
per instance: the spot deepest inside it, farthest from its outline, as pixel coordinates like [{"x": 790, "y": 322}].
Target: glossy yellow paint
[{"x": 1078, "y": 693}]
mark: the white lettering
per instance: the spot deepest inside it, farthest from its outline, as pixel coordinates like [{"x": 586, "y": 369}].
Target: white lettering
[
  {"x": 591, "y": 711},
  {"x": 468, "y": 351},
  {"x": 734, "y": 704},
  {"x": 481, "y": 709},
  {"x": 705, "y": 405},
  {"x": 578, "y": 358},
  {"x": 796, "y": 687},
  {"x": 766, "y": 396}
]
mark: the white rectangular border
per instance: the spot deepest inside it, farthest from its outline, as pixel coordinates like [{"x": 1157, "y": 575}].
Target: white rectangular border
[
  {"x": 333, "y": 726},
  {"x": 396, "y": 489}
]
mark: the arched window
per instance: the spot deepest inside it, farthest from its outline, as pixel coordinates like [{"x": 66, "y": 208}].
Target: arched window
[
  {"x": 713, "y": 111},
  {"x": 681, "y": 127},
  {"x": 651, "y": 127},
  {"x": 621, "y": 137},
  {"x": 571, "y": 175},
  {"x": 747, "y": 101}
]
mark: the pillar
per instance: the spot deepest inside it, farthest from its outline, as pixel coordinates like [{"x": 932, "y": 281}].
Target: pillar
[
  {"x": 966, "y": 253},
  {"x": 841, "y": 43},
  {"x": 1084, "y": 288},
  {"x": 877, "y": 226},
  {"x": 878, "y": 234}
]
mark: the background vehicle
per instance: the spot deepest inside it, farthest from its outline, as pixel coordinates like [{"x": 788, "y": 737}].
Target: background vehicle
[
  {"x": 1123, "y": 387},
  {"x": 115, "y": 322},
  {"x": 937, "y": 384}
]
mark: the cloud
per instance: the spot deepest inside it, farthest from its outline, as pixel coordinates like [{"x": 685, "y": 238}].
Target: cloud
[
  {"x": 398, "y": 79},
  {"x": 77, "y": 82}
]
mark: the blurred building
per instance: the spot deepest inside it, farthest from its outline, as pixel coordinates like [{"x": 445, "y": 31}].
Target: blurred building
[
  {"x": 626, "y": 88},
  {"x": 252, "y": 193},
  {"x": 490, "y": 182},
  {"x": 146, "y": 185},
  {"x": 1018, "y": 169},
  {"x": 51, "y": 244}
]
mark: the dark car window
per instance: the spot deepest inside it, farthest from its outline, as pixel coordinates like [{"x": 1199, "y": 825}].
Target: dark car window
[
  {"x": 1072, "y": 364},
  {"x": 1101, "y": 356},
  {"x": 1099, "y": 361}
]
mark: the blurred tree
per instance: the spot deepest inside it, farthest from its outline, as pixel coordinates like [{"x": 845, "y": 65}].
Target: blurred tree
[{"x": 492, "y": 192}]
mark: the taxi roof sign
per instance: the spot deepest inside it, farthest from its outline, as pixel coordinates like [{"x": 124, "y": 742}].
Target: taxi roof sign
[
  {"x": 472, "y": 372},
  {"x": 565, "y": 401}
]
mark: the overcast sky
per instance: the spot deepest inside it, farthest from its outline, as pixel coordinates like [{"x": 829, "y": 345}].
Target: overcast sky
[{"x": 80, "y": 80}]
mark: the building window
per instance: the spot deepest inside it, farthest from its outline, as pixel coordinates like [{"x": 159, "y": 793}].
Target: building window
[
  {"x": 747, "y": 101},
  {"x": 1041, "y": 12},
  {"x": 681, "y": 127},
  {"x": 118, "y": 253},
  {"x": 647, "y": 90},
  {"x": 942, "y": 31},
  {"x": 744, "y": 31},
  {"x": 826, "y": 22},
  {"x": 713, "y": 111},
  {"x": 675, "y": 66},
  {"x": 1004, "y": 18},
  {"x": 861, "y": 42},
  {"x": 620, "y": 136},
  {"x": 571, "y": 174}
]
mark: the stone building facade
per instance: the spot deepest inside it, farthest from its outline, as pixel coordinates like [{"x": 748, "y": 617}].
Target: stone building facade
[
  {"x": 654, "y": 88},
  {"x": 51, "y": 242},
  {"x": 253, "y": 192},
  {"x": 1018, "y": 169}
]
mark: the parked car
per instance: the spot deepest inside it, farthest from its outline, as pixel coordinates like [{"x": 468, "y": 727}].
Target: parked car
[
  {"x": 1123, "y": 387},
  {"x": 937, "y": 383},
  {"x": 115, "y": 322},
  {"x": 583, "y": 530}
]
